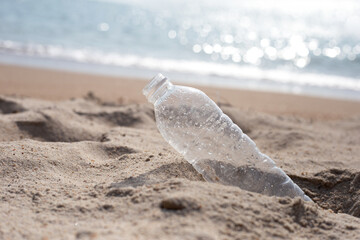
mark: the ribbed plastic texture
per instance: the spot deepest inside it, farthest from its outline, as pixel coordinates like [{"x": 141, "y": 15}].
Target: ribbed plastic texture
[{"x": 208, "y": 139}]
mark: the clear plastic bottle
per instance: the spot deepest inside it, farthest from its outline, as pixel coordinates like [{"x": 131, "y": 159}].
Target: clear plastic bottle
[{"x": 208, "y": 139}]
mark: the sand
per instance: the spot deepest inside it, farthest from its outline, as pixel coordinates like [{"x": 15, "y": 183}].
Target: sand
[{"x": 75, "y": 165}]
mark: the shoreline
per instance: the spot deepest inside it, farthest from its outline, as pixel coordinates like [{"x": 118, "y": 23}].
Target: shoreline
[
  {"x": 61, "y": 85},
  {"x": 230, "y": 77}
]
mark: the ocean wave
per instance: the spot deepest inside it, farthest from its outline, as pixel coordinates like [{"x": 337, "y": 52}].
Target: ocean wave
[{"x": 222, "y": 70}]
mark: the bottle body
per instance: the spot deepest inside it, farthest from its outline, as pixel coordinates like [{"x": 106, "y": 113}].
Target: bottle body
[{"x": 217, "y": 148}]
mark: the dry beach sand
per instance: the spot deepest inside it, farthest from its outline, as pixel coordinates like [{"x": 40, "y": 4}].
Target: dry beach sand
[{"x": 93, "y": 166}]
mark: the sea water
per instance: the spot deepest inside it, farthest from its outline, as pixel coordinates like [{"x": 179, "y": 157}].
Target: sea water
[{"x": 308, "y": 47}]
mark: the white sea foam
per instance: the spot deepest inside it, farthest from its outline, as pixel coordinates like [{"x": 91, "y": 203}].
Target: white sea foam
[{"x": 221, "y": 70}]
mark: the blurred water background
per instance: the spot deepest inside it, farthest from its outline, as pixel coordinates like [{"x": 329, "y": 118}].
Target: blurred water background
[{"x": 308, "y": 47}]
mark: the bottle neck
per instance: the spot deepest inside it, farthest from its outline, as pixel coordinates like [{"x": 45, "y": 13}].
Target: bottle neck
[{"x": 156, "y": 88}]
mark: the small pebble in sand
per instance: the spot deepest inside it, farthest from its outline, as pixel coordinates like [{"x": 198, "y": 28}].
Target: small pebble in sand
[
  {"x": 179, "y": 203},
  {"x": 108, "y": 207}
]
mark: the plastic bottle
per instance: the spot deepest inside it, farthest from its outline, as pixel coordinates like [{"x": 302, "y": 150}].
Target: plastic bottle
[{"x": 208, "y": 139}]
